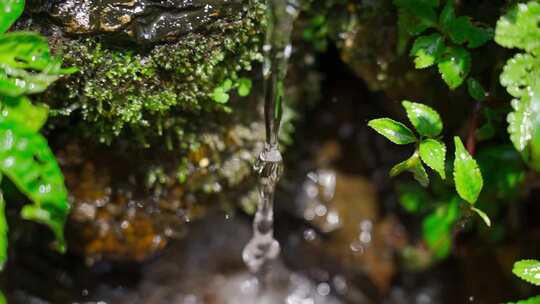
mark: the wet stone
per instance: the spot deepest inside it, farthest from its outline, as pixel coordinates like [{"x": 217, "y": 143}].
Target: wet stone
[{"x": 141, "y": 21}]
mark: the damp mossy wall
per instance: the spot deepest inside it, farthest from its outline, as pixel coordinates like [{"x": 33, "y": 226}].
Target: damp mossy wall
[{"x": 157, "y": 95}]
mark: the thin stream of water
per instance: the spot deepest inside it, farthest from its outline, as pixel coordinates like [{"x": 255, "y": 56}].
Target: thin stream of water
[{"x": 277, "y": 49}]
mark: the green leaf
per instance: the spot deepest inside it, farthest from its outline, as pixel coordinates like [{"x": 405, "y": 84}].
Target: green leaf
[
  {"x": 10, "y": 10},
  {"x": 412, "y": 197},
  {"x": 244, "y": 86},
  {"x": 413, "y": 165},
  {"x": 227, "y": 85},
  {"x": 520, "y": 28},
  {"x": 533, "y": 300},
  {"x": 427, "y": 50},
  {"x": 3, "y": 233},
  {"x": 534, "y": 155},
  {"x": 528, "y": 270},
  {"x": 520, "y": 124},
  {"x": 437, "y": 228},
  {"x": 503, "y": 170},
  {"x": 457, "y": 29},
  {"x": 433, "y": 153},
  {"x": 219, "y": 95},
  {"x": 524, "y": 124},
  {"x": 422, "y": 11},
  {"x": 409, "y": 25},
  {"x": 461, "y": 29},
  {"x": 2, "y": 298},
  {"x": 476, "y": 90},
  {"x": 482, "y": 215},
  {"x": 430, "y": 3},
  {"x": 393, "y": 130},
  {"x": 26, "y": 159},
  {"x": 26, "y": 65},
  {"x": 447, "y": 16},
  {"x": 519, "y": 73},
  {"x": 455, "y": 66},
  {"x": 521, "y": 77},
  {"x": 20, "y": 111},
  {"x": 467, "y": 175},
  {"x": 478, "y": 36},
  {"x": 424, "y": 119}
]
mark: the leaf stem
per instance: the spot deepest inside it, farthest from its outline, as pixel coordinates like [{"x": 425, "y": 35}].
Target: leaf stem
[{"x": 473, "y": 125}]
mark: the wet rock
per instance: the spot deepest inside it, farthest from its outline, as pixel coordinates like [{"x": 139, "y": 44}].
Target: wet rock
[
  {"x": 144, "y": 147},
  {"x": 141, "y": 21},
  {"x": 128, "y": 208},
  {"x": 148, "y": 91}
]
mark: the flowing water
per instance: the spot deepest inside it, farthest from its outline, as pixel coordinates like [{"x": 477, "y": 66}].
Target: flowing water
[{"x": 269, "y": 166}]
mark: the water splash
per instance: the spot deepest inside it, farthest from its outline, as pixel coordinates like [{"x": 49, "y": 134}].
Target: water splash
[{"x": 269, "y": 166}]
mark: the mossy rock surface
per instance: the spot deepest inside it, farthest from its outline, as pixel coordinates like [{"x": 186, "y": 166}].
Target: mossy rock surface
[
  {"x": 144, "y": 143},
  {"x": 155, "y": 91}
]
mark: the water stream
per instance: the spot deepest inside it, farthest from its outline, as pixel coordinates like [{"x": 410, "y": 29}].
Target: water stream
[{"x": 277, "y": 49}]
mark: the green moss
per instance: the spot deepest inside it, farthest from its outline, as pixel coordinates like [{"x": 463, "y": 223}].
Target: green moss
[{"x": 153, "y": 94}]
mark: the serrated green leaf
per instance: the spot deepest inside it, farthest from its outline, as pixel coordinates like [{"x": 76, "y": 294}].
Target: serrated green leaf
[
  {"x": 457, "y": 29},
  {"x": 3, "y": 233},
  {"x": 533, "y": 300},
  {"x": 424, "y": 119},
  {"x": 467, "y": 175},
  {"x": 10, "y": 10},
  {"x": 518, "y": 74},
  {"x": 520, "y": 28},
  {"x": 478, "y": 36},
  {"x": 534, "y": 158},
  {"x": 476, "y": 90},
  {"x": 455, "y": 66},
  {"x": 520, "y": 124},
  {"x": 437, "y": 228},
  {"x": 427, "y": 50},
  {"x": 409, "y": 25},
  {"x": 433, "y": 154},
  {"x": 413, "y": 165},
  {"x": 482, "y": 215},
  {"x": 521, "y": 77},
  {"x": 423, "y": 11},
  {"x": 528, "y": 270},
  {"x": 26, "y": 159},
  {"x": 447, "y": 16},
  {"x": 461, "y": 29},
  {"x": 20, "y": 111},
  {"x": 524, "y": 124},
  {"x": 393, "y": 130}
]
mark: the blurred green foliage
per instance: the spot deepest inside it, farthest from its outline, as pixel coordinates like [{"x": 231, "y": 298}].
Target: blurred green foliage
[
  {"x": 27, "y": 67},
  {"x": 442, "y": 39}
]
